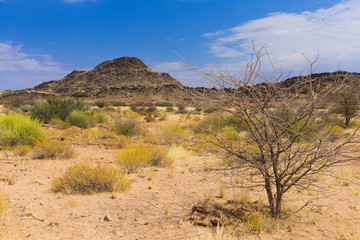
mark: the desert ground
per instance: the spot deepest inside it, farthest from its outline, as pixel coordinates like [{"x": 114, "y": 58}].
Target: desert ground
[{"x": 159, "y": 202}]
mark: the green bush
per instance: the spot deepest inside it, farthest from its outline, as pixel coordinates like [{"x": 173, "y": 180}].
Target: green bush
[
  {"x": 214, "y": 123},
  {"x": 81, "y": 119},
  {"x": 19, "y": 130},
  {"x": 101, "y": 117},
  {"x": 149, "y": 118},
  {"x": 44, "y": 111},
  {"x": 118, "y": 104},
  {"x": 82, "y": 179},
  {"x": 127, "y": 127}
]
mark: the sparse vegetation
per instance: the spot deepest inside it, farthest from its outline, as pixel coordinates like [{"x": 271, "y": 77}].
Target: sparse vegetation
[{"x": 83, "y": 179}]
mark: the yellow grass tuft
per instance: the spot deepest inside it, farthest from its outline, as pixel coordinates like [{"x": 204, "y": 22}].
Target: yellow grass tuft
[
  {"x": 51, "y": 149},
  {"x": 82, "y": 179}
]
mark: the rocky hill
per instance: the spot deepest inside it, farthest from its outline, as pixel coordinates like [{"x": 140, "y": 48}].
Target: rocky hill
[
  {"x": 122, "y": 78},
  {"x": 116, "y": 77}
]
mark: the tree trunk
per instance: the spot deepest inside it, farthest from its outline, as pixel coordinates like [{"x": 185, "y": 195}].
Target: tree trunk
[
  {"x": 278, "y": 206},
  {"x": 270, "y": 195},
  {"x": 347, "y": 121}
]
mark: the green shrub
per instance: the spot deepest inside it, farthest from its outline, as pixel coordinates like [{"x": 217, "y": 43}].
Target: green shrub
[
  {"x": 151, "y": 110},
  {"x": 82, "y": 179},
  {"x": 164, "y": 104},
  {"x": 95, "y": 133},
  {"x": 101, "y": 117},
  {"x": 19, "y": 130},
  {"x": 215, "y": 123},
  {"x": 149, "y": 118},
  {"x": 169, "y": 109},
  {"x": 305, "y": 129},
  {"x": 118, "y": 104},
  {"x": 81, "y": 119},
  {"x": 127, "y": 127},
  {"x": 53, "y": 107},
  {"x": 50, "y": 149}
]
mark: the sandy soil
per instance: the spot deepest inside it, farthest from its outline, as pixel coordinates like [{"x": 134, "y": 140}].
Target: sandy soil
[{"x": 158, "y": 203}]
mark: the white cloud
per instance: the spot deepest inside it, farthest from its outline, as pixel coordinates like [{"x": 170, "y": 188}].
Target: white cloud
[
  {"x": 334, "y": 32},
  {"x": 21, "y": 70}
]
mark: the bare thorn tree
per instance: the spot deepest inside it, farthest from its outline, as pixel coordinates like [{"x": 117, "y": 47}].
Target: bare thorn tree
[
  {"x": 286, "y": 141},
  {"x": 346, "y": 102}
]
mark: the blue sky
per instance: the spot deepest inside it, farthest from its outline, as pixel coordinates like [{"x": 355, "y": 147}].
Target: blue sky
[{"x": 45, "y": 40}]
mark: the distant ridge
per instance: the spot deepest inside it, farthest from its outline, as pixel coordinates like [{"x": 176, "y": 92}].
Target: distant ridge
[{"x": 128, "y": 79}]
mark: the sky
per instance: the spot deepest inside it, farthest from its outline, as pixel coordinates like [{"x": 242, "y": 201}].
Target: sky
[{"x": 45, "y": 40}]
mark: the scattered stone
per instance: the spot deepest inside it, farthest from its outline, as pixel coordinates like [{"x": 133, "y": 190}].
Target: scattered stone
[
  {"x": 15, "y": 165},
  {"x": 42, "y": 203},
  {"x": 107, "y": 218},
  {"x": 12, "y": 201},
  {"x": 23, "y": 218}
]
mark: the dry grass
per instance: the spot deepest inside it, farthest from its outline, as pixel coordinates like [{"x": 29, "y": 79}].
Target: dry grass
[
  {"x": 19, "y": 150},
  {"x": 82, "y": 179},
  {"x": 50, "y": 149},
  {"x": 134, "y": 157},
  {"x": 219, "y": 234},
  {"x": 178, "y": 152}
]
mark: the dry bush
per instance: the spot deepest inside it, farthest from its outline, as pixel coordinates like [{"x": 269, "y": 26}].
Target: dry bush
[
  {"x": 82, "y": 179},
  {"x": 19, "y": 150},
  {"x": 134, "y": 157},
  {"x": 127, "y": 127},
  {"x": 170, "y": 133},
  {"x": 128, "y": 113},
  {"x": 51, "y": 149}
]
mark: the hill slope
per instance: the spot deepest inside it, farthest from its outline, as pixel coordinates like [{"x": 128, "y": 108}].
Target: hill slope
[{"x": 111, "y": 77}]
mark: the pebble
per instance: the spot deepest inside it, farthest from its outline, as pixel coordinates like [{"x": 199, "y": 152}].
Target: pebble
[
  {"x": 42, "y": 203},
  {"x": 12, "y": 201},
  {"x": 107, "y": 218}
]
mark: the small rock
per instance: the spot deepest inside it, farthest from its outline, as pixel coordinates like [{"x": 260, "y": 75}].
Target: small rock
[
  {"x": 15, "y": 165},
  {"x": 107, "y": 218},
  {"x": 23, "y": 218},
  {"x": 12, "y": 201},
  {"x": 42, "y": 203},
  {"x": 180, "y": 222}
]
